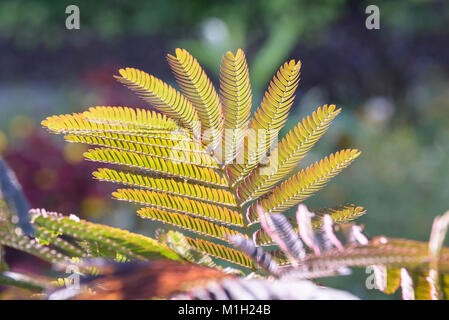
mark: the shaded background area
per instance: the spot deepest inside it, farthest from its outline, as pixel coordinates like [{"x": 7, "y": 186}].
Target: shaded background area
[{"x": 392, "y": 83}]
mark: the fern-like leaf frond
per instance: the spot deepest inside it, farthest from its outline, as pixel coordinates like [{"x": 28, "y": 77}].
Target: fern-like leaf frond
[
  {"x": 177, "y": 151},
  {"x": 427, "y": 281},
  {"x": 186, "y": 222},
  {"x": 125, "y": 116},
  {"x": 292, "y": 149},
  {"x": 157, "y": 165},
  {"x": 198, "y": 89},
  {"x": 177, "y": 204},
  {"x": 221, "y": 252},
  {"x": 162, "y": 96},
  {"x": 160, "y": 164},
  {"x": 270, "y": 117},
  {"x": 169, "y": 186},
  {"x": 262, "y": 258},
  {"x": 128, "y": 244},
  {"x": 306, "y": 182},
  {"x": 340, "y": 215},
  {"x": 236, "y": 97},
  {"x": 111, "y": 119},
  {"x": 32, "y": 246},
  {"x": 380, "y": 251},
  {"x": 62, "y": 245}
]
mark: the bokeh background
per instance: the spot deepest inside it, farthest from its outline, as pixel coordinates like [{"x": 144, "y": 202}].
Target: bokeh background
[{"x": 393, "y": 85}]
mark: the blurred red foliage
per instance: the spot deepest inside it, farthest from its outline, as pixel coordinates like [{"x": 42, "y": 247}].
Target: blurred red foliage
[{"x": 54, "y": 176}]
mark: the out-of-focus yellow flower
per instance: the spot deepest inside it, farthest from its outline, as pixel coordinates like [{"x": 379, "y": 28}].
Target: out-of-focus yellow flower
[
  {"x": 93, "y": 207},
  {"x": 73, "y": 152},
  {"x": 21, "y": 127},
  {"x": 45, "y": 178}
]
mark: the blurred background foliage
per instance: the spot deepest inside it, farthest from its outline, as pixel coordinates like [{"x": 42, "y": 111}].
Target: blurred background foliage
[{"x": 392, "y": 83}]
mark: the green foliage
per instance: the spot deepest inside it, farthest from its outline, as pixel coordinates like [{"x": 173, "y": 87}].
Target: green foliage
[
  {"x": 130, "y": 245},
  {"x": 205, "y": 186},
  {"x": 178, "y": 163}
]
